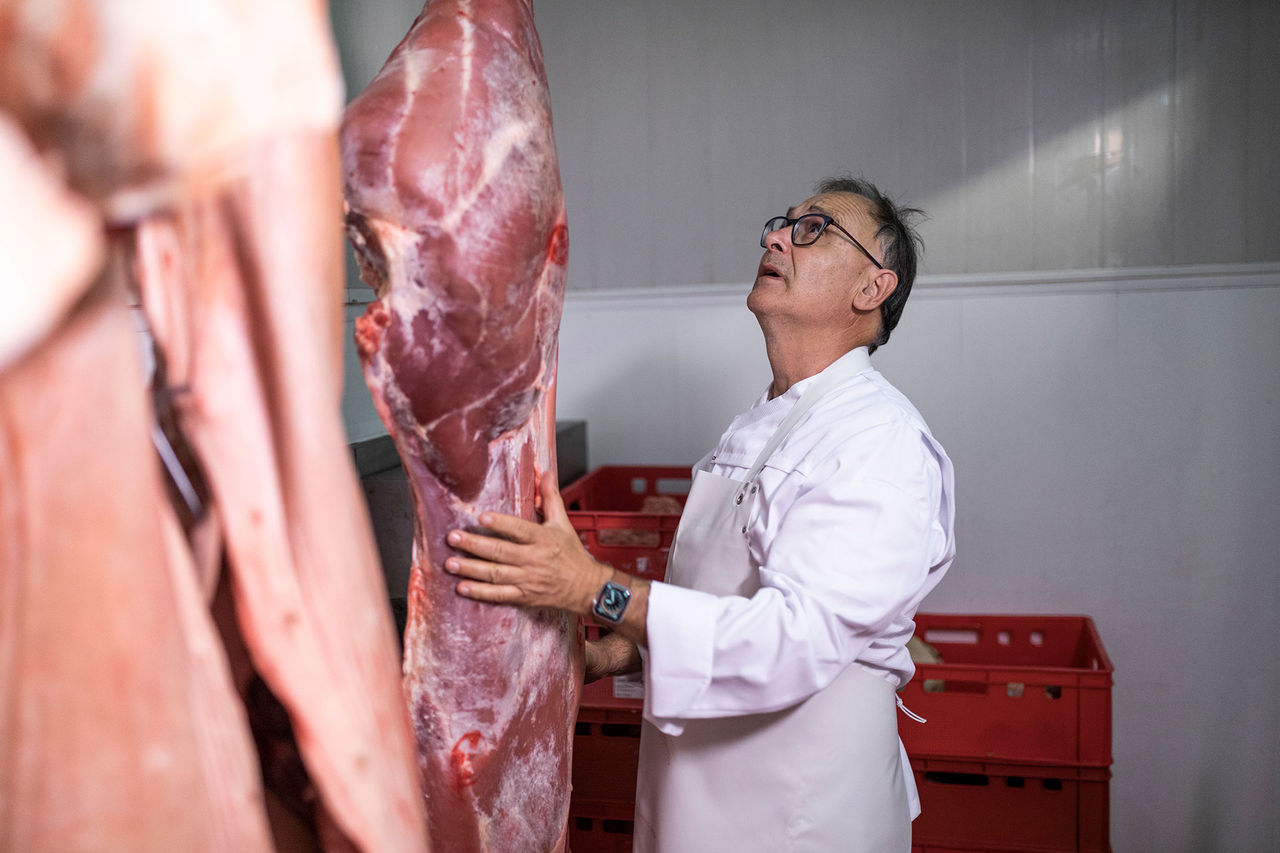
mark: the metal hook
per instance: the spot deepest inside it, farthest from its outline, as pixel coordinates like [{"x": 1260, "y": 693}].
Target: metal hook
[{"x": 177, "y": 474}]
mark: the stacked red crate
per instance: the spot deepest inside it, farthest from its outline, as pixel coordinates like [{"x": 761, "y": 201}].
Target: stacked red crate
[
  {"x": 1016, "y": 753},
  {"x": 626, "y": 517}
]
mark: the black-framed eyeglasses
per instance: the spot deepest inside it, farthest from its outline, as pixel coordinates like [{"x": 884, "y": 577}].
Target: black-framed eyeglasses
[{"x": 806, "y": 229}]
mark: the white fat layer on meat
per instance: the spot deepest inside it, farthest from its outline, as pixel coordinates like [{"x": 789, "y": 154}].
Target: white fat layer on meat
[{"x": 496, "y": 151}]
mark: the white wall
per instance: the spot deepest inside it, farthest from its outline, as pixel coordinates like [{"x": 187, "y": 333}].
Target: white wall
[
  {"x": 1060, "y": 134},
  {"x": 1116, "y": 438},
  {"x": 1038, "y": 136},
  {"x": 1094, "y": 338}
]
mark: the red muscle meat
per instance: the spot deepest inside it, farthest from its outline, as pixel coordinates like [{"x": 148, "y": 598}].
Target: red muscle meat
[{"x": 457, "y": 215}]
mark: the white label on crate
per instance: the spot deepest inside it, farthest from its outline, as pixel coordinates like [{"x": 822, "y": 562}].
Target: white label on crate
[{"x": 629, "y": 686}]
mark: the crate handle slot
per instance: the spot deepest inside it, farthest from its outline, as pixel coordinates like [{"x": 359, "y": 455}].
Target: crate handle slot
[
  {"x": 620, "y": 730},
  {"x": 617, "y": 537},
  {"x": 674, "y": 485},
  {"x": 968, "y": 636},
  {"x": 973, "y": 780}
]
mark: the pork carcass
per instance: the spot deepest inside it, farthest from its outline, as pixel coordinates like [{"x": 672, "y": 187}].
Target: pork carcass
[
  {"x": 457, "y": 216},
  {"x": 205, "y": 132}
]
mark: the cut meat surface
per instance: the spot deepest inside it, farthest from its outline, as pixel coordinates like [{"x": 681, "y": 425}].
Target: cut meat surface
[{"x": 457, "y": 215}]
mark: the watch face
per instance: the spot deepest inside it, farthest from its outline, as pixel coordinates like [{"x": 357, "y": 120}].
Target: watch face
[{"x": 612, "y": 602}]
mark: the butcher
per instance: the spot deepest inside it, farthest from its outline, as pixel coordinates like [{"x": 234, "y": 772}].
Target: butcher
[{"x": 813, "y": 529}]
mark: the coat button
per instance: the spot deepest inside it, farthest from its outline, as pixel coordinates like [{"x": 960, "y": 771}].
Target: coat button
[
  {"x": 739, "y": 500},
  {"x": 744, "y": 529}
]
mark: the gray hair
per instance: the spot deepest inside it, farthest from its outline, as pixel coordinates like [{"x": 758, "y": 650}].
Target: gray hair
[{"x": 899, "y": 242}]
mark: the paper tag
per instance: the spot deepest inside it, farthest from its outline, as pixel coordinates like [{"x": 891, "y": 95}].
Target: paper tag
[{"x": 629, "y": 686}]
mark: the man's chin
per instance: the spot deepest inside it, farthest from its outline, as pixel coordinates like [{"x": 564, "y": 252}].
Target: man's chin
[{"x": 762, "y": 291}]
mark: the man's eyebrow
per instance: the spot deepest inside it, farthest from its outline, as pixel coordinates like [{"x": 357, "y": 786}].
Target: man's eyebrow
[{"x": 813, "y": 208}]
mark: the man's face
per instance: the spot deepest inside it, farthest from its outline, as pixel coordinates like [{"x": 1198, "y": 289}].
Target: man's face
[{"x": 813, "y": 286}]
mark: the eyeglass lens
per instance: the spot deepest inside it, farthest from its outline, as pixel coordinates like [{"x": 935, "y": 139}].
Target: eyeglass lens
[{"x": 804, "y": 231}]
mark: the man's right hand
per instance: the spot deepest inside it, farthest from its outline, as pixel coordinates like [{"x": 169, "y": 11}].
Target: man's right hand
[{"x": 612, "y": 654}]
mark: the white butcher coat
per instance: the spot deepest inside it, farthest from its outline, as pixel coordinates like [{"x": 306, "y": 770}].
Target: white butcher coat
[{"x": 848, "y": 525}]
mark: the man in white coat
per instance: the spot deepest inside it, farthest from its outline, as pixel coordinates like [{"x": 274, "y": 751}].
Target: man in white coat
[{"x": 812, "y": 532}]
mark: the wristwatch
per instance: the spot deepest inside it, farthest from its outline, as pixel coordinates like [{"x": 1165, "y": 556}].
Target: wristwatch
[{"x": 611, "y": 603}]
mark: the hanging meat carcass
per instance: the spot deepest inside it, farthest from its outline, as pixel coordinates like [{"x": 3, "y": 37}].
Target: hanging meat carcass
[
  {"x": 205, "y": 132},
  {"x": 457, "y": 216},
  {"x": 121, "y": 729}
]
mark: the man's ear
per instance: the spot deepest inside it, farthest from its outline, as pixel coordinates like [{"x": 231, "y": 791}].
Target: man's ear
[{"x": 875, "y": 291}]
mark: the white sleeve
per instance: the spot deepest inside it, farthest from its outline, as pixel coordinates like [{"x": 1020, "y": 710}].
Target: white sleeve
[{"x": 850, "y": 554}]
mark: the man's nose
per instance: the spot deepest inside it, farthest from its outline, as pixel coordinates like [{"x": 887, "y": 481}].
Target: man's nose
[{"x": 779, "y": 239}]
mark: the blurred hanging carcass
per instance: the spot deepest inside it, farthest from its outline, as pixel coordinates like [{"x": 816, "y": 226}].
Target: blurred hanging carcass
[
  {"x": 457, "y": 216},
  {"x": 201, "y": 138}
]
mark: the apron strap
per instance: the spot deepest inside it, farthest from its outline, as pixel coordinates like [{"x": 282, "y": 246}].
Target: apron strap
[
  {"x": 824, "y": 383},
  {"x": 904, "y": 709}
]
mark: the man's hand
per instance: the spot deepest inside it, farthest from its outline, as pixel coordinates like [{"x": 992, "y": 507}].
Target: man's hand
[
  {"x": 612, "y": 654},
  {"x": 529, "y": 564}
]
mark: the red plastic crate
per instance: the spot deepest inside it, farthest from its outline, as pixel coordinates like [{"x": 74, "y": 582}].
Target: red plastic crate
[
  {"x": 1035, "y": 808},
  {"x": 600, "y": 828},
  {"x": 632, "y": 543},
  {"x": 1011, "y": 688},
  {"x": 624, "y": 488},
  {"x": 606, "y": 754},
  {"x": 607, "y": 508}
]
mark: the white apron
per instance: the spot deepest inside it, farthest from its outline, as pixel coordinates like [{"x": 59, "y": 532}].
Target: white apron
[{"x": 824, "y": 775}]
